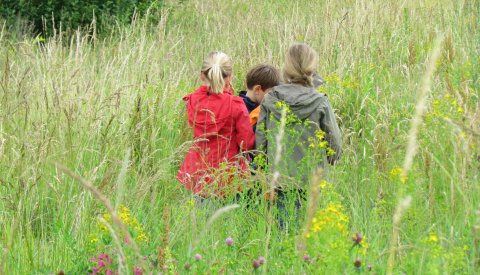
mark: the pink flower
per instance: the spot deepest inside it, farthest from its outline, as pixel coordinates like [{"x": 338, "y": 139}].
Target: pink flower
[
  {"x": 105, "y": 257},
  {"x": 95, "y": 270},
  {"x": 108, "y": 272},
  {"x": 229, "y": 241},
  {"x": 138, "y": 271},
  {"x": 261, "y": 260},
  {"x": 101, "y": 264},
  {"x": 198, "y": 257},
  {"x": 306, "y": 257}
]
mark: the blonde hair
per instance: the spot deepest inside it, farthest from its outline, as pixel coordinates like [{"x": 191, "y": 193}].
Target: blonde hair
[
  {"x": 300, "y": 64},
  {"x": 216, "y": 67}
]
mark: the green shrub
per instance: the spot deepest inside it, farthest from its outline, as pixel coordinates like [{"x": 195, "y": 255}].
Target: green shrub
[{"x": 45, "y": 15}]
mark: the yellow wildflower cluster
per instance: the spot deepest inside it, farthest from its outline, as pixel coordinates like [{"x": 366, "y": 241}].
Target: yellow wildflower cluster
[
  {"x": 322, "y": 89},
  {"x": 350, "y": 83},
  {"x": 347, "y": 83},
  {"x": 318, "y": 142},
  {"x": 333, "y": 79},
  {"x": 290, "y": 118},
  {"x": 93, "y": 238},
  {"x": 398, "y": 172},
  {"x": 329, "y": 233},
  {"x": 330, "y": 217},
  {"x": 433, "y": 238},
  {"x": 282, "y": 105},
  {"x": 454, "y": 259},
  {"x": 125, "y": 215},
  {"x": 433, "y": 245},
  {"x": 445, "y": 108},
  {"x": 325, "y": 186}
]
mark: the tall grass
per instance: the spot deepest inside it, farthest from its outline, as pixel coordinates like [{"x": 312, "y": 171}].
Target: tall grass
[{"x": 109, "y": 109}]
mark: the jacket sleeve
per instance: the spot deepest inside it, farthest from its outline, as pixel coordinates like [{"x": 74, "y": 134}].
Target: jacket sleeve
[
  {"x": 329, "y": 125},
  {"x": 261, "y": 141},
  {"x": 245, "y": 138}
]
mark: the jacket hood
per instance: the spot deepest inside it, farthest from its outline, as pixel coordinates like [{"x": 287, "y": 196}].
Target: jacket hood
[
  {"x": 302, "y": 101},
  {"x": 208, "y": 112}
]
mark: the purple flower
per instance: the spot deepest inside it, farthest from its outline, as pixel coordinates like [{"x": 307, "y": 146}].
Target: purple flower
[
  {"x": 261, "y": 260},
  {"x": 229, "y": 241},
  {"x": 357, "y": 263},
  {"x": 256, "y": 264},
  {"x": 357, "y": 238},
  {"x": 198, "y": 257},
  {"x": 306, "y": 257}
]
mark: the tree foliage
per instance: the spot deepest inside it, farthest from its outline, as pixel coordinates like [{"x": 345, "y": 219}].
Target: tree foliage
[{"x": 45, "y": 15}]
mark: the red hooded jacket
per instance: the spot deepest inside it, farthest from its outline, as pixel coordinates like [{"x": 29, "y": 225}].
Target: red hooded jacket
[{"x": 221, "y": 132}]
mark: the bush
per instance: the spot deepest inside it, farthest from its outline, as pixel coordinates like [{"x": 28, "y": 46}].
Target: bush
[{"x": 45, "y": 15}]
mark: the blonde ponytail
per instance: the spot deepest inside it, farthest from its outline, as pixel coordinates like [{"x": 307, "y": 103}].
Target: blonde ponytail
[
  {"x": 216, "y": 67},
  {"x": 215, "y": 77},
  {"x": 301, "y": 63}
]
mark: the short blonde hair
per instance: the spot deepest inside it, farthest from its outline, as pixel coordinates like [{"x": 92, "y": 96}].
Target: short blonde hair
[
  {"x": 216, "y": 67},
  {"x": 301, "y": 63}
]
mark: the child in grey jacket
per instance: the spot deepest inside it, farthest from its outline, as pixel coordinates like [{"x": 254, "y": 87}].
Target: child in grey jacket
[{"x": 309, "y": 137}]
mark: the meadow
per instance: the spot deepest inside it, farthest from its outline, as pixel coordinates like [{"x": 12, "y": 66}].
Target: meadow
[{"x": 92, "y": 134}]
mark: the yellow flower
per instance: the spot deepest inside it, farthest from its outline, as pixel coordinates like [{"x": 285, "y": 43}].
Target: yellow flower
[
  {"x": 433, "y": 238},
  {"x": 142, "y": 237},
  {"x": 398, "y": 172},
  {"x": 93, "y": 239},
  {"x": 331, "y": 217},
  {"x": 322, "y": 89},
  {"x": 323, "y": 184}
]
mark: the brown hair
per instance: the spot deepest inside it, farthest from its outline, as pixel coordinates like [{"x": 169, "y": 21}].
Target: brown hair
[
  {"x": 217, "y": 66},
  {"x": 264, "y": 75},
  {"x": 300, "y": 64}
]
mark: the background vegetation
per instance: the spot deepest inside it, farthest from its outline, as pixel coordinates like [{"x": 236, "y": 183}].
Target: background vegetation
[
  {"x": 81, "y": 113},
  {"x": 46, "y": 16}
]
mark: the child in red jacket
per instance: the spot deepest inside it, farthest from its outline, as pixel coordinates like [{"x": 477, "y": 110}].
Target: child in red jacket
[{"x": 221, "y": 131}]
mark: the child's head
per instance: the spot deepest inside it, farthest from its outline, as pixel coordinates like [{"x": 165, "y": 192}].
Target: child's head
[
  {"x": 300, "y": 64},
  {"x": 260, "y": 80},
  {"x": 217, "y": 71}
]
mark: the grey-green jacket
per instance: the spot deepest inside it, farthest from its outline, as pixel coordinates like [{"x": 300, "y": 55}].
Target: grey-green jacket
[{"x": 308, "y": 111}]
